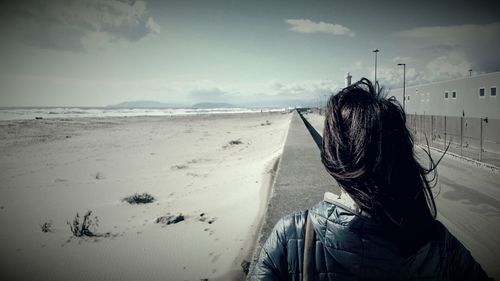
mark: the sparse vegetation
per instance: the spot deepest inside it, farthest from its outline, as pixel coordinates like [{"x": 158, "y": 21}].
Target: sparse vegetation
[
  {"x": 267, "y": 123},
  {"x": 46, "y": 226},
  {"x": 245, "y": 265},
  {"x": 144, "y": 198},
  {"x": 232, "y": 143},
  {"x": 85, "y": 227},
  {"x": 235, "y": 142},
  {"x": 178, "y": 167}
]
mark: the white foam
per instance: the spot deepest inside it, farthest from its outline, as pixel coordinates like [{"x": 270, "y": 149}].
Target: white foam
[{"x": 77, "y": 112}]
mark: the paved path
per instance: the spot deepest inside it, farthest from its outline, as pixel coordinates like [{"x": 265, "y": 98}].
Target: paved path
[
  {"x": 468, "y": 205},
  {"x": 301, "y": 179}
]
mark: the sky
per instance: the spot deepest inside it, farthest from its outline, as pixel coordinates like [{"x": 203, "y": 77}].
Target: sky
[{"x": 254, "y": 53}]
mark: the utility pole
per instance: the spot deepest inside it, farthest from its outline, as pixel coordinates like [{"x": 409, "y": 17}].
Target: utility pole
[
  {"x": 404, "y": 83},
  {"x": 376, "y": 52}
]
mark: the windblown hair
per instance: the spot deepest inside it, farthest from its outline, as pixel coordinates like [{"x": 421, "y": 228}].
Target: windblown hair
[{"x": 368, "y": 149}]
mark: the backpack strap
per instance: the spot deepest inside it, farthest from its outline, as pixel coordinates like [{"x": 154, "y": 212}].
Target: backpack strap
[{"x": 308, "y": 266}]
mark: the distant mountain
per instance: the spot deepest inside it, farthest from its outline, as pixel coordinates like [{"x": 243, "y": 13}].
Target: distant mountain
[
  {"x": 143, "y": 104},
  {"x": 214, "y": 105},
  {"x": 211, "y": 105}
]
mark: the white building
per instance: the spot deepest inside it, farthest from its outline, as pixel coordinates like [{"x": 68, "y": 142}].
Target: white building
[{"x": 475, "y": 96}]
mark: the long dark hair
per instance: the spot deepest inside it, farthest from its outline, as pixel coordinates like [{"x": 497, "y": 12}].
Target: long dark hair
[{"x": 369, "y": 151}]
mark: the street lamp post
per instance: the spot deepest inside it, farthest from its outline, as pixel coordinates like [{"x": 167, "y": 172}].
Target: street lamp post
[
  {"x": 376, "y": 52},
  {"x": 404, "y": 83}
]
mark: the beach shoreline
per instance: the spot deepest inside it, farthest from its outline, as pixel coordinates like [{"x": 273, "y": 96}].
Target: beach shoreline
[{"x": 214, "y": 169}]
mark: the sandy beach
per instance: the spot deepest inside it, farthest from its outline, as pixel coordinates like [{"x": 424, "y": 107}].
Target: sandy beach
[{"x": 215, "y": 170}]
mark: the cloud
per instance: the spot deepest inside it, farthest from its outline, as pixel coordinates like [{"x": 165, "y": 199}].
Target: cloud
[
  {"x": 453, "y": 34},
  {"x": 211, "y": 94},
  {"x": 392, "y": 77},
  {"x": 218, "y": 91},
  {"x": 399, "y": 59},
  {"x": 308, "y": 26},
  {"x": 56, "y": 90},
  {"x": 478, "y": 43},
  {"x": 263, "y": 92},
  {"x": 78, "y": 25},
  {"x": 449, "y": 66},
  {"x": 303, "y": 89}
]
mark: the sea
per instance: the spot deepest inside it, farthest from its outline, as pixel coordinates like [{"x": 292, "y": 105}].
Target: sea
[{"x": 25, "y": 113}]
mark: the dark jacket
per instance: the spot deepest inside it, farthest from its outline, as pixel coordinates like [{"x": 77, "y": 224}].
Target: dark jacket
[{"x": 351, "y": 246}]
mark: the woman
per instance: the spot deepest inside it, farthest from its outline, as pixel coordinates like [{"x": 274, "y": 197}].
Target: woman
[{"x": 383, "y": 225}]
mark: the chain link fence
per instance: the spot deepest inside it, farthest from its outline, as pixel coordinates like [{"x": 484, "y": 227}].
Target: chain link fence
[{"x": 476, "y": 138}]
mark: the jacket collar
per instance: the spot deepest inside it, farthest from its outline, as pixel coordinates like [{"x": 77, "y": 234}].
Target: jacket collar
[{"x": 344, "y": 201}]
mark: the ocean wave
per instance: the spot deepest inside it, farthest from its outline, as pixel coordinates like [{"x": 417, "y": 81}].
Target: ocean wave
[{"x": 77, "y": 112}]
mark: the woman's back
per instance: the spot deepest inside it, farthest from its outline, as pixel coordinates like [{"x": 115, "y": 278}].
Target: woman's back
[
  {"x": 350, "y": 246},
  {"x": 388, "y": 228}
]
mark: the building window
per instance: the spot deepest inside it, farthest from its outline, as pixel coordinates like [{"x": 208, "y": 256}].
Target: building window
[
  {"x": 481, "y": 92},
  {"x": 493, "y": 91},
  {"x": 445, "y": 95},
  {"x": 454, "y": 94}
]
